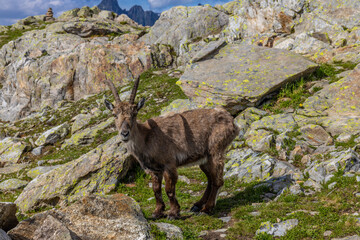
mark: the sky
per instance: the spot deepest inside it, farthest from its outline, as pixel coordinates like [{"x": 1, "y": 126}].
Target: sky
[{"x": 13, "y": 10}]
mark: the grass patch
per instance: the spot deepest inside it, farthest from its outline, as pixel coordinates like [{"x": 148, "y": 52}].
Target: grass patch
[
  {"x": 327, "y": 210},
  {"x": 294, "y": 94},
  {"x": 159, "y": 91},
  {"x": 349, "y": 144}
]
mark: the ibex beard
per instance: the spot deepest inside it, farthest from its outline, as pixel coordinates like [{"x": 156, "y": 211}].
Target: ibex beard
[{"x": 163, "y": 144}]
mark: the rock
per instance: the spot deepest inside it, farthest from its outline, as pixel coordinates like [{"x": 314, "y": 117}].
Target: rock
[
  {"x": 98, "y": 171},
  {"x": 208, "y": 50},
  {"x": 260, "y": 140},
  {"x": 106, "y": 15},
  {"x": 234, "y": 77},
  {"x": 247, "y": 166},
  {"x": 263, "y": 19},
  {"x": 344, "y": 137},
  {"x": 72, "y": 67},
  {"x": 278, "y": 123},
  {"x": 180, "y": 26},
  {"x": 335, "y": 107},
  {"x": 123, "y": 18},
  {"x": 332, "y": 185},
  {"x": 87, "y": 135},
  {"x": 225, "y": 219},
  {"x": 354, "y": 237},
  {"x": 13, "y": 168},
  {"x": 84, "y": 12},
  {"x": 67, "y": 15},
  {"x": 315, "y": 135},
  {"x": 3, "y": 235},
  {"x": 8, "y": 219},
  {"x": 51, "y": 228},
  {"x": 347, "y": 161},
  {"x": 162, "y": 55},
  {"x": 251, "y": 114},
  {"x": 53, "y": 135},
  {"x": 277, "y": 229},
  {"x": 172, "y": 231},
  {"x": 81, "y": 121},
  {"x": 49, "y": 15},
  {"x": 296, "y": 189},
  {"x": 94, "y": 217},
  {"x": 37, "y": 151},
  {"x": 91, "y": 28},
  {"x": 11, "y": 150},
  {"x": 33, "y": 173},
  {"x": 255, "y": 214},
  {"x": 178, "y": 106},
  {"x": 184, "y": 179},
  {"x": 12, "y": 184}
]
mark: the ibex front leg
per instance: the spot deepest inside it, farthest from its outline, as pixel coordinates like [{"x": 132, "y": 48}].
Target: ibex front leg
[
  {"x": 160, "y": 205},
  {"x": 171, "y": 177}
]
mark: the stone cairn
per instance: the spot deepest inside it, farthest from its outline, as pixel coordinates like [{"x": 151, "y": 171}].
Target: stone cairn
[{"x": 49, "y": 16}]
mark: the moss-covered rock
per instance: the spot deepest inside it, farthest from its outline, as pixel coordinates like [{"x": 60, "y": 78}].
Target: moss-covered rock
[
  {"x": 95, "y": 172},
  {"x": 93, "y": 217},
  {"x": 335, "y": 107},
  {"x": 248, "y": 165},
  {"x": 260, "y": 140},
  {"x": 69, "y": 14},
  {"x": 33, "y": 173},
  {"x": 53, "y": 135},
  {"x": 241, "y": 76},
  {"x": 11, "y": 150},
  {"x": 87, "y": 135},
  {"x": 12, "y": 184}
]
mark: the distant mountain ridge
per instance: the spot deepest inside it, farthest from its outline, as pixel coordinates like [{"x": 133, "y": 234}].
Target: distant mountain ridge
[{"x": 136, "y": 13}]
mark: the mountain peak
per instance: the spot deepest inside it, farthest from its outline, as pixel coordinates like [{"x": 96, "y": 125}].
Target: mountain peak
[
  {"x": 136, "y": 12},
  {"x": 111, "y": 5}
]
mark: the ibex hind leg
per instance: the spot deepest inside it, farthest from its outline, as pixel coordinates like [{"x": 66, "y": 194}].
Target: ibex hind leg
[
  {"x": 171, "y": 177},
  {"x": 216, "y": 174},
  {"x": 200, "y": 204}
]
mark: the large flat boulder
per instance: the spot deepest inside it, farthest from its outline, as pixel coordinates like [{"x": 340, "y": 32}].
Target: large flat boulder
[
  {"x": 95, "y": 172},
  {"x": 94, "y": 217},
  {"x": 240, "y": 76}
]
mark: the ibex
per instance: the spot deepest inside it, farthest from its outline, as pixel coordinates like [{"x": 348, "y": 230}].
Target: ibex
[{"x": 163, "y": 144}]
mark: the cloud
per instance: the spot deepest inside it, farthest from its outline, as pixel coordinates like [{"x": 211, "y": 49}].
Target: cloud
[
  {"x": 166, "y": 3},
  {"x": 13, "y": 10}
]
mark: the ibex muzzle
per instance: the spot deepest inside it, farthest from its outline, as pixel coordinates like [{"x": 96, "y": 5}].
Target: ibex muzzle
[{"x": 163, "y": 144}]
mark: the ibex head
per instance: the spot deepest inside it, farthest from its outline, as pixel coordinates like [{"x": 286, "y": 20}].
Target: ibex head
[{"x": 124, "y": 112}]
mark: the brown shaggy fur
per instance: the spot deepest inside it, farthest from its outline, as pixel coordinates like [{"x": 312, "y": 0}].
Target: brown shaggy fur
[{"x": 163, "y": 144}]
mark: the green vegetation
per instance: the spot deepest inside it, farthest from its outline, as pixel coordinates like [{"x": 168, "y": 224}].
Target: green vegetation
[
  {"x": 159, "y": 90},
  {"x": 326, "y": 210},
  {"x": 293, "y": 95},
  {"x": 349, "y": 144},
  {"x": 12, "y": 34}
]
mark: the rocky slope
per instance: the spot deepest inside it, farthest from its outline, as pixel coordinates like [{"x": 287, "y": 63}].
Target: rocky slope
[
  {"x": 136, "y": 13},
  {"x": 288, "y": 71}
]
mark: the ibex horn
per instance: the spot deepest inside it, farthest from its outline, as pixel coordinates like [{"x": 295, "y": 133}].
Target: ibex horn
[
  {"x": 134, "y": 90},
  {"x": 113, "y": 90}
]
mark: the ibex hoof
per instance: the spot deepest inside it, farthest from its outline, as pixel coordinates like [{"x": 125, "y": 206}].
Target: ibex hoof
[
  {"x": 173, "y": 216},
  {"x": 158, "y": 215},
  {"x": 195, "y": 209}
]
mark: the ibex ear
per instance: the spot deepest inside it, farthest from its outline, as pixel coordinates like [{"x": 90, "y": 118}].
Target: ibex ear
[
  {"x": 140, "y": 104},
  {"x": 109, "y": 105}
]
